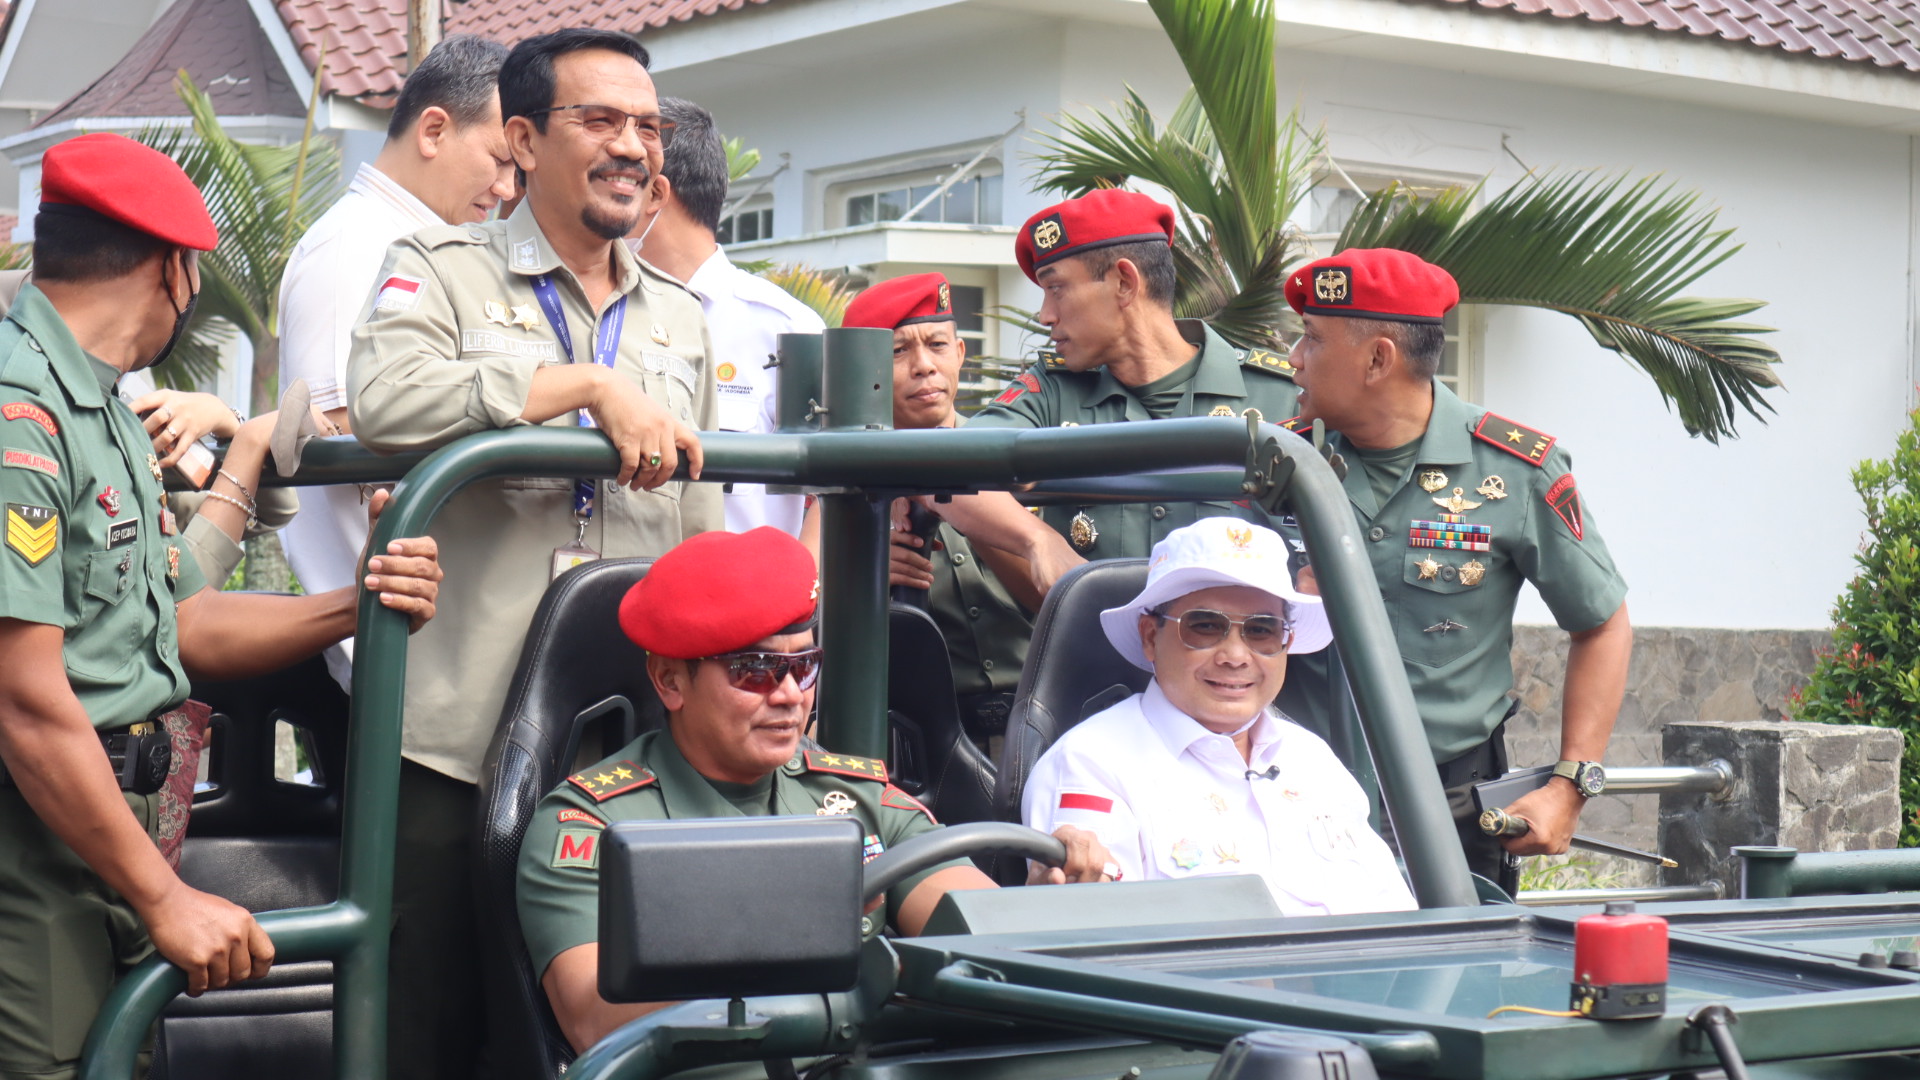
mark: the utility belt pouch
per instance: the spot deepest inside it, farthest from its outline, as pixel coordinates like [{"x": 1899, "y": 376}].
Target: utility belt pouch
[{"x": 141, "y": 760}]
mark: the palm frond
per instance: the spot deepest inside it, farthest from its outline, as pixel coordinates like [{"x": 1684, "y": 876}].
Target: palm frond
[
  {"x": 1615, "y": 255},
  {"x": 827, "y": 294},
  {"x": 741, "y": 161},
  {"x": 1227, "y": 48}
]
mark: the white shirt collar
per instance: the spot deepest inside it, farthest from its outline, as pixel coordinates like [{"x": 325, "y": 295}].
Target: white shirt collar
[
  {"x": 1179, "y": 732},
  {"x": 374, "y": 184},
  {"x": 705, "y": 281}
]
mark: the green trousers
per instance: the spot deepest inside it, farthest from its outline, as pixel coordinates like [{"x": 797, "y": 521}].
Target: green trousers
[
  {"x": 65, "y": 938},
  {"x": 436, "y": 1003}
]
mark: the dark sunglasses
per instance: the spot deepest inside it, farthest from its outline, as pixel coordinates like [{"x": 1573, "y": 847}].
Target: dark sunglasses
[
  {"x": 604, "y": 123},
  {"x": 1201, "y": 628},
  {"x": 762, "y": 672}
]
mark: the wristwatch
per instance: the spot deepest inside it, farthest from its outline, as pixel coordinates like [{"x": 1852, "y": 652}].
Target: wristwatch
[{"x": 1588, "y": 777}]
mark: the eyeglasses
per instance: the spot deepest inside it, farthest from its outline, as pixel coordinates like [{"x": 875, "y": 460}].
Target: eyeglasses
[
  {"x": 763, "y": 672},
  {"x": 604, "y": 123},
  {"x": 1201, "y": 628}
]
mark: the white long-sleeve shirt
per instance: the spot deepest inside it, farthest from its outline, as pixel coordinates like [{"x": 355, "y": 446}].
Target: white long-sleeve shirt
[
  {"x": 323, "y": 294},
  {"x": 1172, "y": 799}
]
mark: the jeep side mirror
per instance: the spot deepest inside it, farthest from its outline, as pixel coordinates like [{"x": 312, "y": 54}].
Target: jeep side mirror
[{"x": 729, "y": 907}]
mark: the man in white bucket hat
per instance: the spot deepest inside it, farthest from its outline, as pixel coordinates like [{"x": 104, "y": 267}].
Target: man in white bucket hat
[{"x": 1199, "y": 774}]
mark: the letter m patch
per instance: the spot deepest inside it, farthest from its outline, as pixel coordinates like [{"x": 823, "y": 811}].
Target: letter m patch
[{"x": 578, "y": 847}]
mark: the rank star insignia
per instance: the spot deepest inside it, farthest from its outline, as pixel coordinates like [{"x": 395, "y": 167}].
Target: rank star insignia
[
  {"x": 525, "y": 316},
  {"x": 1457, "y": 503},
  {"x": 1432, "y": 480},
  {"x": 1514, "y": 436},
  {"x": 659, "y": 335},
  {"x": 497, "y": 313},
  {"x": 1493, "y": 488},
  {"x": 110, "y": 501},
  {"x": 836, "y": 803},
  {"x": 1083, "y": 532},
  {"x": 1428, "y": 568},
  {"x": 1473, "y": 572}
]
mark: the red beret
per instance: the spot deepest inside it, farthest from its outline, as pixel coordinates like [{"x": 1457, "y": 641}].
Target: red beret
[
  {"x": 890, "y": 305},
  {"x": 1095, "y": 220},
  {"x": 130, "y": 182},
  {"x": 1374, "y": 283},
  {"x": 719, "y": 591}
]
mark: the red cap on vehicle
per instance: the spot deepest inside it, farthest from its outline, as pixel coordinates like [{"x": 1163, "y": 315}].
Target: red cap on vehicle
[
  {"x": 1095, "y": 220},
  {"x": 1373, "y": 283},
  {"x": 890, "y": 305},
  {"x": 719, "y": 592},
  {"x": 129, "y": 182}
]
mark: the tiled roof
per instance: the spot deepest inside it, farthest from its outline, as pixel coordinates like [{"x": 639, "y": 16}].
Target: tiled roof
[
  {"x": 511, "y": 21},
  {"x": 225, "y": 52},
  {"x": 1884, "y": 33},
  {"x": 365, "y": 42}
]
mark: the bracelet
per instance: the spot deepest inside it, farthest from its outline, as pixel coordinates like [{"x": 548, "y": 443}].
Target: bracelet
[
  {"x": 231, "y": 501},
  {"x": 229, "y": 477}
]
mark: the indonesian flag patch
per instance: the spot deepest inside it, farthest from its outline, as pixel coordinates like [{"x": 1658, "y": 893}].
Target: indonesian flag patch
[
  {"x": 399, "y": 293},
  {"x": 1080, "y": 800}
]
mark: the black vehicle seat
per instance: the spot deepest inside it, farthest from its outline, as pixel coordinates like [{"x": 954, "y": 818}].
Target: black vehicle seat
[
  {"x": 932, "y": 757},
  {"x": 265, "y": 843},
  {"x": 576, "y": 669},
  {"x": 1073, "y": 672}
]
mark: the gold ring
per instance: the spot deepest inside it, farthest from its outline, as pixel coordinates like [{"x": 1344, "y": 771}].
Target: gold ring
[{"x": 654, "y": 461}]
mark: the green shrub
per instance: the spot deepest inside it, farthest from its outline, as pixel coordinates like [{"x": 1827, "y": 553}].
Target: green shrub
[{"x": 1871, "y": 675}]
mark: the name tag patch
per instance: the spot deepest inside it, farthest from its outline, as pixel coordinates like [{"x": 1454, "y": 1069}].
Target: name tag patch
[
  {"x": 658, "y": 363},
  {"x": 494, "y": 341},
  {"x": 22, "y": 459},
  {"x": 122, "y": 533}
]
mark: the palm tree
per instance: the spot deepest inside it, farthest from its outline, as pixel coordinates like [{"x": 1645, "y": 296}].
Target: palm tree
[
  {"x": 263, "y": 199},
  {"x": 1613, "y": 254}
]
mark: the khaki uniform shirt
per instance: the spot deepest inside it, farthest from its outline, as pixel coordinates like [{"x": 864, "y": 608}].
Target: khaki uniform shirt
[
  {"x": 90, "y": 547},
  {"x": 1452, "y": 606},
  {"x": 986, "y": 629},
  {"x": 648, "y": 780},
  {"x": 1229, "y": 382},
  {"x": 448, "y": 347}
]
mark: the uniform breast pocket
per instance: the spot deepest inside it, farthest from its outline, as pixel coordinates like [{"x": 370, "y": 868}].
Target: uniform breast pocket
[
  {"x": 1433, "y": 624},
  {"x": 671, "y": 380},
  {"x": 110, "y": 633}
]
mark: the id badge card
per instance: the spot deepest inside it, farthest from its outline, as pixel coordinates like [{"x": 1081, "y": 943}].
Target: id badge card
[{"x": 570, "y": 556}]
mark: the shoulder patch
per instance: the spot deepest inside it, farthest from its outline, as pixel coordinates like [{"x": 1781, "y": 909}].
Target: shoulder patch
[
  {"x": 24, "y": 459},
  {"x": 398, "y": 292},
  {"x": 27, "y": 410},
  {"x": 1270, "y": 362},
  {"x": 581, "y": 816},
  {"x": 605, "y": 780},
  {"x": 1024, "y": 383},
  {"x": 846, "y": 765},
  {"x": 33, "y": 532},
  {"x": 900, "y": 800},
  {"x": 577, "y": 847},
  {"x": 1523, "y": 442},
  {"x": 1564, "y": 500}
]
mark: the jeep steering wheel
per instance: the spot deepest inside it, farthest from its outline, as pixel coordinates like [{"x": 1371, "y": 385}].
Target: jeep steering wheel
[{"x": 889, "y": 868}]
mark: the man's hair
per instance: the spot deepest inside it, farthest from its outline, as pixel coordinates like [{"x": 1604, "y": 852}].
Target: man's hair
[
  {"x": 526, "y": 77},
  {"x": 1420, "y": 343},
  {"x": 1154, "y": 258},
  {"x": 695, "y": 163},
  {"x": 76, "y": 245},
  {"x": 460, "y": 75}
]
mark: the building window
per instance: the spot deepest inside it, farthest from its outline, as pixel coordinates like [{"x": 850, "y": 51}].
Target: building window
[
  {"x": 974, "y": 200},
  {"x": 1332, "y": 203},
  {"x": 746, "y": 226}
]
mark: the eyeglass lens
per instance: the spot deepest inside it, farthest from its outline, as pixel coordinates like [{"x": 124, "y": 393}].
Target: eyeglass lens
[
  {"x": 606, "y": 122},
  {"x": 1202, "y": 628},
  {"x": 762, "y": 672}
]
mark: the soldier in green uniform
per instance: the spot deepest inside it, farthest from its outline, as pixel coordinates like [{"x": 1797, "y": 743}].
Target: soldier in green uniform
[
  {"x": 1104, "y": 263},
  {"x": 985, "y": 626},
  {"x": 104, "y": 617},
  {"x": 727, "y": 622},
  {"x": 1457, "y": 507}
]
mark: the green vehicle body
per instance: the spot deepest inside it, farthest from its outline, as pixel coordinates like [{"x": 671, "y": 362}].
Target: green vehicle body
[{"x": 1086, "y": 981}]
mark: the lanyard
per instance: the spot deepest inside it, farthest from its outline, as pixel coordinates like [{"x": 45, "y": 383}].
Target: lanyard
[{"x": 606, "y": 348}]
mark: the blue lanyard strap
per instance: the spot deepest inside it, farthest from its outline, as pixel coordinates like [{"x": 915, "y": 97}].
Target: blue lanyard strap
[{"x": 606, "y": 349}]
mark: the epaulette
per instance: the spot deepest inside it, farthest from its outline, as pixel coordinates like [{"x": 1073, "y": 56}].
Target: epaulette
[
  {"x": 1270, "y": 362},
  {"x": 846, "y": 765},
  {"x": 1049, "y": 359},
  {"x": 606, "y": 780},
  {"x": 434, "y": 236},
  {"x": 1521, "y": 441},
  {"x": 24, "y": 365}
]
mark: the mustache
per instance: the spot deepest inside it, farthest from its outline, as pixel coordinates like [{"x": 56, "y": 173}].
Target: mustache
[{"x": 622, "y": 165}]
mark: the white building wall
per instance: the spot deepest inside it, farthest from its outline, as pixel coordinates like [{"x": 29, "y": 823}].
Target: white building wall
[{"x": 1756, "y": 532}]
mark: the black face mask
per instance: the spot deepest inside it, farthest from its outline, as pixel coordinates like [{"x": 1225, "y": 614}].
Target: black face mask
[{"x": 180, "y": 318}]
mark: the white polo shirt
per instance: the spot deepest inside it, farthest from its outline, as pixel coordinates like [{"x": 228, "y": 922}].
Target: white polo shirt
[
  {"x": 325, "y": 290},
  {"x": 746, "y": 314},
  {"x": 1174, "y": 800}
]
